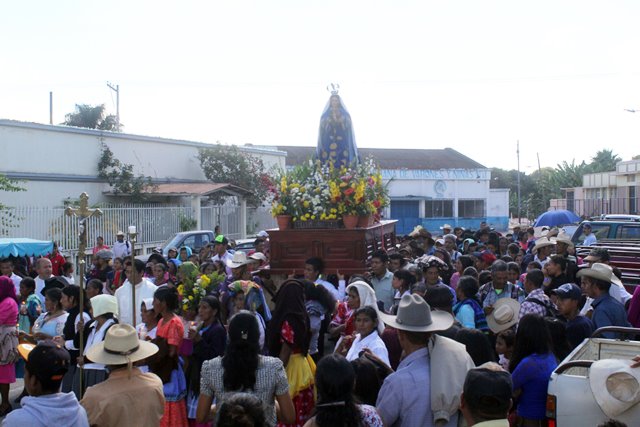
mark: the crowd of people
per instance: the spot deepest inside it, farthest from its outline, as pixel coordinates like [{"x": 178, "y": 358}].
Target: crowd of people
[{"x": 463, "y": 326}]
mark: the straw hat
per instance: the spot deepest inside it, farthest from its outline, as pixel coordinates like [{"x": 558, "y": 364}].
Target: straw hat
[
  {"x": 542, "y": 243},
  {"x": 563, "y": 238},
  {"x": 239, "y": 259},
  {"x": 599, "y": 271},
  {"x": 415, "y": 315},
  {"x": 615, "y": 385},
  {"x": 504, "y": 315},
  {"x": 121, "y": 346}
]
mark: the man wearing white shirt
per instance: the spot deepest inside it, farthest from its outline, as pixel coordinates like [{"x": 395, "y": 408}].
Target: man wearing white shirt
[
  {"x": 44, "y": 269},
  {"x": 313, "y": 268},
  {"x": 589, "y": 237},
  {"x": 121, "y": 248},
  {"x": 222, "y": 254},
  {"x": 6, "y": 269},
  {"x": 143, "y": 288}
]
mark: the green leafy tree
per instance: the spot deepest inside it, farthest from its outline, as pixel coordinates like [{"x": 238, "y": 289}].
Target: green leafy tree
[
  {"x": 7, "y": 216},
  {"x": 227, "y": 164},
  {"x": 121, "y": 177},
  {"x": 604, "y": 161},
  {"x": 92, "y": 117},
  {"x": 502, "y": 178},
  {"x": 568, "y": 175}
]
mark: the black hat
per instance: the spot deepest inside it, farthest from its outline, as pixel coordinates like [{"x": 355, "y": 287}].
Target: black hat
[
  {"x": 568, "y": 291},
  {"x": 488, "y": 390},
  {"x": 47, "y": 361},
  {"x": 53, "y": 282},
  {"x": 439, "y": 296}
]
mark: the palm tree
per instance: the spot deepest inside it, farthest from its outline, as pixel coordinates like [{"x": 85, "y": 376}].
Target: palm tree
[
  {"x": 92, "y": 117},
  {"x": 604, "y": 161}
]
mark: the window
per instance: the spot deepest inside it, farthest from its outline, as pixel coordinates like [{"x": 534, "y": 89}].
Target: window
[
  {"x": 438, "y": 209},
  {"x": 631, "y": 178},
  {"x": 471, "y": 208},
  {"x": 629, "y": 231}
]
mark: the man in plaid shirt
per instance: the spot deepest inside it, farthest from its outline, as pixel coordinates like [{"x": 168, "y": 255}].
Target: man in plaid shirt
[{"x": 536, "y": 302}]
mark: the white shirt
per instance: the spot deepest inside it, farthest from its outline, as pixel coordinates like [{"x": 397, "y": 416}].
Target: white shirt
[
  {"x": 590, "y": 240},
  {"x": 339, "y": 293},
  {"x": 144, "y": 289},
  {"x": 225, "y": 258},
  {"x": 121, "y": 249},
  {"x": 68, "y": 344},
  {"x": 39, "y": 288},
  {"x": 16, "y": 282},
  {"x": 96, "y": 336},
  {"x": 373, "y": 342}
]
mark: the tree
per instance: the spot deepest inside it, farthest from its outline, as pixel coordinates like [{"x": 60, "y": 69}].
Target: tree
[
  {"x": 92, "y": 117},
  {"x": 7, "y": 217},
  {"x": 121, "y": 178},
  {"x": 502, "y": 178},
  {"x": 604, "y": 161},
  {"x": 227, "y": 164},
  {"x": 568, "y": 175}
]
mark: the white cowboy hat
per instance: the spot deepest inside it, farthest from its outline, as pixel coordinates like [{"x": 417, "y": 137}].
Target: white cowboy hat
[
  {"x": 239, "y": 259},
  {"x": 121, "y": 346},
  {"x": 600, "y": 271},
  {"x": 415, "y": 315},
  {"x": 446, "y": 226},
  {"x": 504, "y": 315},
  {"x": 258, "y": 256},
  {"x": 615, "y": 385},
  {"x": 541, "y": 243},
  {"x": 563, "y": 238}
]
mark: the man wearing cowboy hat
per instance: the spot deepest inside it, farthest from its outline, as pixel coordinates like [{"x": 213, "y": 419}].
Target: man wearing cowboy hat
[
  {"x": 399, "y": 403},
  {"x": 128, "y": 397},
  {"x": 563, "y": 247},
  {"x": 607, "y": 311}
]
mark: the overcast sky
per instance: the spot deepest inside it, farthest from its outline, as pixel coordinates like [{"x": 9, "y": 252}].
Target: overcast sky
[{"x": 472, "y": 75}]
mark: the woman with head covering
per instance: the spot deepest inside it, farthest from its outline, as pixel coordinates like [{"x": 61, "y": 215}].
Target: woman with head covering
[
  {"x": 8, "y": 340},
  {"x": 288, "y": 338},
  {"x": 243, "y": 369},
  {"x": 359, "y": 294},
  {"x": 104, "y": 309},
  {"x": 445, "y": 274},
  {"x": 433, "y": 268}
]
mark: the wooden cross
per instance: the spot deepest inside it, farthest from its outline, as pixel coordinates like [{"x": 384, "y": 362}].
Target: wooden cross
[{"x": 83, "y": 213}]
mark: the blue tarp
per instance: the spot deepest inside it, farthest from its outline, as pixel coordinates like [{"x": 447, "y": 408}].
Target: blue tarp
[{"x": 24, "y": 247}]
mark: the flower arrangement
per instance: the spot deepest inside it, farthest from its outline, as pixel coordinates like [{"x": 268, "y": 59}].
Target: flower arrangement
[
  {"x": 191, "y": 292},
  {"x": 313, "y": 191}
]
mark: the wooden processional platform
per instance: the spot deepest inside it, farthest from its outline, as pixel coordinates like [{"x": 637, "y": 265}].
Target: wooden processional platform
[{"x": 346, "y": 250}]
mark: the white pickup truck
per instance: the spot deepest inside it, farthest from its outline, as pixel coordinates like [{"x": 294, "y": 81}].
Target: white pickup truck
[{"x": 570, "y": 400}]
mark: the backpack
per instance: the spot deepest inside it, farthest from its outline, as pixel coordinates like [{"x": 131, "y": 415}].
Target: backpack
[{"x": 552, "y": 311}]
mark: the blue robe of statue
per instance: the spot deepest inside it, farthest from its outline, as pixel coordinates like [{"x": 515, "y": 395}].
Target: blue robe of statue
[{"x": 336, "y": 141}]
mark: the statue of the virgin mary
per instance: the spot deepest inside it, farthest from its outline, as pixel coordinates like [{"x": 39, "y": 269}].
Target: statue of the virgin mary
[{"x": 336, "y": 141}]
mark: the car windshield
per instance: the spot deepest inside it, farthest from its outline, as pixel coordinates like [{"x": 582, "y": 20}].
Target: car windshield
[
  {"x": 601, "y": 231},
  {"x": 171, "y": 242}
]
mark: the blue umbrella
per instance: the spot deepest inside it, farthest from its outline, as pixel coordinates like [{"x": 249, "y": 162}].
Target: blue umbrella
[{"x": 553, "y": 218}]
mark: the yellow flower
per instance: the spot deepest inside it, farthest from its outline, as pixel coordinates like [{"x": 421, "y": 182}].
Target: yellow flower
[
  {"x": 313, "y": 217},
  {"x": 283, "y": 184},
  {"x": 190, "y": 297},
  {"x": 205, "y": 280},
  {"x": 305, "y": 203}
]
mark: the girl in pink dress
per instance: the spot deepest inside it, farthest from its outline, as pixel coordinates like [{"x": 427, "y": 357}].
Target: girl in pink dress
[{"x": 8, "y": 340}]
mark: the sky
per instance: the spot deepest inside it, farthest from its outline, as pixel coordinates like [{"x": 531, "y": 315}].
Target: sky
[{"x": 476, "y": 76}]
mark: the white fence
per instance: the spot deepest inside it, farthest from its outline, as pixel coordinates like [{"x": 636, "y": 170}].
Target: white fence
[{"x": 154, "y": 223}]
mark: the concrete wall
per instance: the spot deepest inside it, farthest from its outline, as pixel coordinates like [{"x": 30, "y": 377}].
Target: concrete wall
[{"x": 60, "y": 161}]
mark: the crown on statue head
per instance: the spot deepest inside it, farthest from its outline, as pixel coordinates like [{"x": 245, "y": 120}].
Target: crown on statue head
[{"x": 334, "y": 88}]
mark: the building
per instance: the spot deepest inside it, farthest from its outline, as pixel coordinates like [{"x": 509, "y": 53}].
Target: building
[
  {"x": 431, "y": 187},
  {"x": 614, "y": 192}
]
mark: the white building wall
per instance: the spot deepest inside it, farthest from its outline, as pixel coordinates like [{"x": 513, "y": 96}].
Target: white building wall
[{"x": 62, "y": 162}]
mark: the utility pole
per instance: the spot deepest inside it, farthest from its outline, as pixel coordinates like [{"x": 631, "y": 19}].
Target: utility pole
[
  {"x": 518, "y": 153},
  {"x": 116, "y": 89},
  {"x": 50, "y": 108}
]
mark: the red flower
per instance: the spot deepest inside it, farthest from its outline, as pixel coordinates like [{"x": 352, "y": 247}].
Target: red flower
[
  {"x": 349, "y": 191},
  {"x": 376, "y": 203}
]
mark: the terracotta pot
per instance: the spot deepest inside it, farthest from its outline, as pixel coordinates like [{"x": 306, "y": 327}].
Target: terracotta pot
[
  {"x": 350, "y": 221},
  {"x": 364, "y": 221},
  {"x": 284, "y": 221}
]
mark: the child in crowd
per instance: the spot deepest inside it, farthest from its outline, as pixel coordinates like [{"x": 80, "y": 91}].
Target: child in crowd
[{"x": 504, "y": 347}]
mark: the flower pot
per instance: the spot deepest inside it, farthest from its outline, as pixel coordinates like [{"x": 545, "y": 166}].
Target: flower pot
[
  {"x": 284, "y": 221},
  {"x": 364, "y": 221},
  {"x": 350, "y": 221}
]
